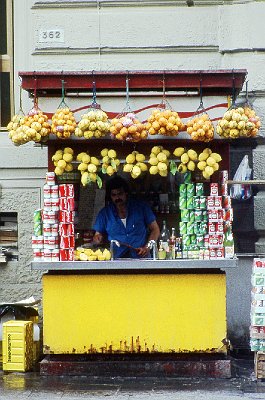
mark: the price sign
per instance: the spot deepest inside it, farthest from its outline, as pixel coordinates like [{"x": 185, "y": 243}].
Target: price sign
[{"x": 51, "y": 35}]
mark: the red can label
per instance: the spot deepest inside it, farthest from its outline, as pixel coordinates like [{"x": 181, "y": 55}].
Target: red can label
[
  {"x": 213, "y": 189},
  {"x": 211, "y": 227},
  {"x": 63, "y": 255},
  {"x": 63, "y": 205},
  {"x": 63, "y": 190},
  {"x": 70, "y": 190},
  {"x": 46, "y": 191},
  {"x": 223, "y": 176},
  {"x": 210, "y": 202},
  {"x": 227, "y": 202},
  {"x": 224, "y": 189},
  {"x": 228, "y": 215},
  {"x": 55, "y": 191},
  {"x": 66, "y": 216},
  {"x": 70, "y": 230},
  {"x": 71, "y": 255},
  {"x": 219, "y": 227},
  {"x": 213, "y": 215},
  {"x": 218, "y": 202},
  {"x": 212, "y": 253},
  {"x": 63, "y": 229},
  {"x": 50, "y": 178},
  {"x": 220, "y": 253}
]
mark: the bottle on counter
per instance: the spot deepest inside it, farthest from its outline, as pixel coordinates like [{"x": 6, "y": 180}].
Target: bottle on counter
[
  {"x": 172, "y": 244},
  {"x": 164, "y": 236},
  {"x": 178, "y": 248},
  {"x": 229, "y": 246}
]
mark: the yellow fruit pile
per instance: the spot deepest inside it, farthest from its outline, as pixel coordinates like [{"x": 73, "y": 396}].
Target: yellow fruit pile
[
  {"x": 238, "y": 122},
  {"x": 208, "y": 162},
  {"x": 89, "y": 167},
  {"x": 110, "y": 162},
  {"x": 166, "y": 123},
  {"x": 32, "y": 127},
  {"x": 135, "y": 164},
  {"x": 93, "y": 124},
  {"x": 62, "y": 160},
  {"x": 158, "y": 160},
  {"x": 63, "y": 123},
  {"x": 128, "y": 127},
  {"x": 81, "y": 254},
  {"x": 201, "y": 128},
  {"x": 187, "y": 159}
]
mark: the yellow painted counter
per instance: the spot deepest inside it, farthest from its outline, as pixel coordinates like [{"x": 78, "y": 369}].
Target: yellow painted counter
[{"x": 134, "y": 312}]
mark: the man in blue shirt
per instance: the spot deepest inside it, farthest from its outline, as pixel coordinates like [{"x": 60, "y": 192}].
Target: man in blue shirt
[{"x": 126, "y": 220}]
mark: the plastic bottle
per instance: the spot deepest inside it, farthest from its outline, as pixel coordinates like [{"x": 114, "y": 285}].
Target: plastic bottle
[{"x": 164, "y": 237}]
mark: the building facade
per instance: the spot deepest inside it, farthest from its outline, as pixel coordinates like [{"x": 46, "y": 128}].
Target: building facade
[{"x": 105, "y": 35}]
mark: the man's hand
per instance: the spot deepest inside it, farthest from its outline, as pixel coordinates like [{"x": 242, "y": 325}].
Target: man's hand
[{"x": 142, "y": 251}]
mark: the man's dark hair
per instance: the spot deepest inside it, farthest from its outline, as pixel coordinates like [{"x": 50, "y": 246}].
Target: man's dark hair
[{"x": 116, "y": 182}]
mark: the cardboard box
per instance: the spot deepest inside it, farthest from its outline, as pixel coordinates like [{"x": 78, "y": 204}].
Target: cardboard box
[{"x": 17, "y": 345}]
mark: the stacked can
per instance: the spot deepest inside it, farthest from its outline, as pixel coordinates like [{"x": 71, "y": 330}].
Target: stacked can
[
  {"x": 66, "y": 222},
  {"x": 257, "y": 314},
  {"x": 193, "y": 221},
  {"x": 50, "y": 218},
  {"x": 215, "y": 222},
  {"x": 226, "y": 199},
  {"x": 37, "y": 237}
]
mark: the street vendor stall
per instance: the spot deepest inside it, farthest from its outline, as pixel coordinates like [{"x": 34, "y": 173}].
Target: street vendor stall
[{"x": 175, "y": 300}]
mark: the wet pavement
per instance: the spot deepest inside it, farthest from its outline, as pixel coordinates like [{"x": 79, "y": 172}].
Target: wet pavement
[{"x": 30, "y": 385}]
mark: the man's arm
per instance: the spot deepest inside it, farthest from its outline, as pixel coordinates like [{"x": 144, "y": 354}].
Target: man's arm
[
  {"x": 98, "y": 238},
  {"x": 154, "y": 235}
]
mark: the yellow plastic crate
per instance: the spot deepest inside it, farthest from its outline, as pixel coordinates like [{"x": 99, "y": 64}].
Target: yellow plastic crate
[{"x": 17, "y": 345}]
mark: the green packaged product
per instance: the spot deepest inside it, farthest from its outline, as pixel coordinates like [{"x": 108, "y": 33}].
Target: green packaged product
[
  {"x": 190, "y": 203},
  {"x": 197, "y": 215},
  {"x": 186, "y": 240},
  {"x": 37, "y": 216},
  {"x": 182, "y": 228},
  {"x": 190, "y": 189},
  {"x": 200, "y": 241},
  {"x": 203, "y": 202},
  {"x": 192, "y": 216},
  {"x": 182, "y": 202},
  {"x": 184, "y": 215},
  {"x": 182, "y": 190},
  {"x": 193, "y": 239},
  {"x": 190, "y": 228},
  {"x": 196, "y": 202},
  {"x": 187, "y": 177},
  {"x": 199, "y": 189}
]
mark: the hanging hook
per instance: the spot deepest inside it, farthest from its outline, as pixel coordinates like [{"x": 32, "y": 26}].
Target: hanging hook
[
  {"x": 201, "y": 102},
  {"x": 127, "y": 88},
  {"x": 35, "y": 100},
  {"x": 234, "y": 89},
  {"x": 164, "y": 85},
  {"x": 247, "y": 92},
  {"x": 94, "y": 91}
]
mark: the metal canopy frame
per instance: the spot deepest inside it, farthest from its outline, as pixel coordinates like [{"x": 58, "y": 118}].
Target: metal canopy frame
[{"x": 211, "y": 82}]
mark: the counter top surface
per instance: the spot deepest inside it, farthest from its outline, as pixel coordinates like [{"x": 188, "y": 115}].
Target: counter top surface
[{"x": 135, "y": 264}]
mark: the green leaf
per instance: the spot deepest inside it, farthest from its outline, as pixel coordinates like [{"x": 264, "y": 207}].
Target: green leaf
[
  {"x": 114, "y": 166},
  {"x": 173, "y": 167},
  {"x": 99, "y": 182},
  {"x": 103, "y": 170}
]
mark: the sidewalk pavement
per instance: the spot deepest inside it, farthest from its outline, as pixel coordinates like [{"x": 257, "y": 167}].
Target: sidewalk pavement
[{"x": 30, "y": 385}]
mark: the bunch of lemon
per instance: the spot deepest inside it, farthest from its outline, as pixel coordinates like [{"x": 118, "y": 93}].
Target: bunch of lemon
[
  {"x": 238, "y": 122},
  {"x": 128, "y": 127},
  {"x": 63, "y": 123},
  {"x": 165, "y": 122},
  {"x": 89, "y": 168},
  {"x": 82, "y": 254},
  {"x": 110, "y": 162},
  {"x": 62, "y": 160},
  {"x": 159, "y": 161},
  {"x": 32, "y": 127},
  {"x": 187, "y": 158},
  {"x": 208, "y": 162},
  {"x": 201, "y": 128},
  {"x": 93, "y": 124},
  {"x": 135, "y": 164}
]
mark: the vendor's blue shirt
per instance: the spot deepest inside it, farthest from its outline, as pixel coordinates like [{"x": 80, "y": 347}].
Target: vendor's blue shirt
[{"x": 139, "y": 216}]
